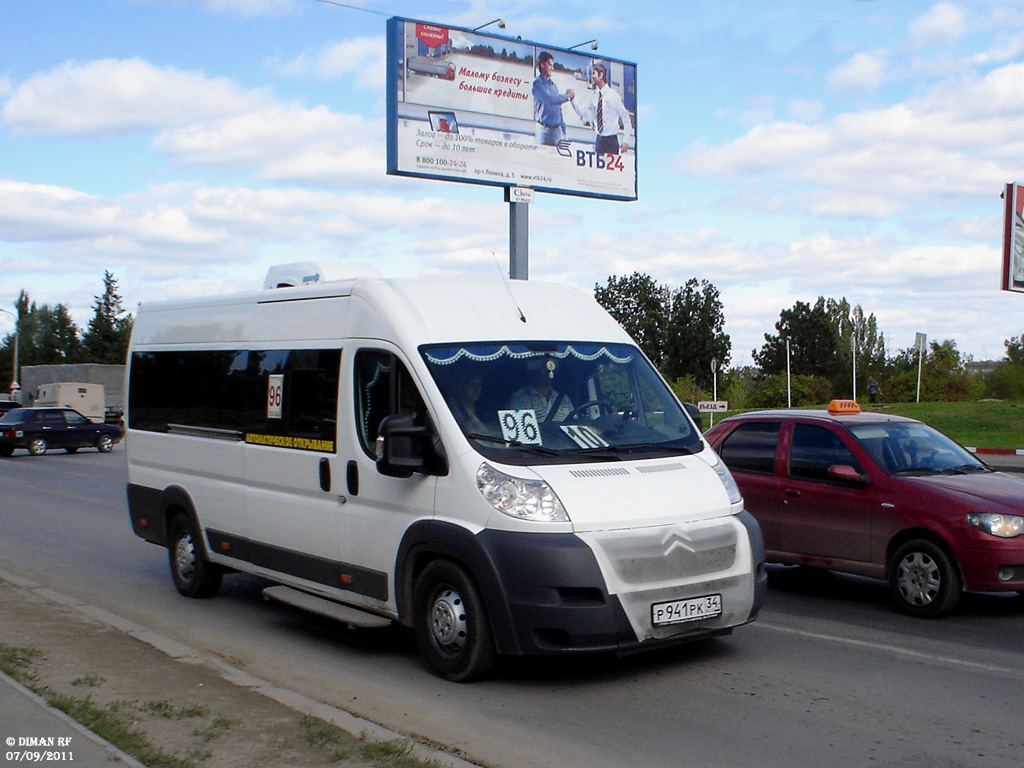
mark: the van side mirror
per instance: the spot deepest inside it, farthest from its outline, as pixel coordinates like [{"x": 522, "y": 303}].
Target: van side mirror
[
  {"x": 844, "y": 473},
  {"x": 404, "y": 449},
  {"x": 695, "y": 413}
]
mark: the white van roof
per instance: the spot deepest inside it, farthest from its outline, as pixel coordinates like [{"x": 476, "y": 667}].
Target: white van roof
[{"x": 410, "y": 311}]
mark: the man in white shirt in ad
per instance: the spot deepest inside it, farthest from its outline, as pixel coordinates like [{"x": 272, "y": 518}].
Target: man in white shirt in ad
[{"x": 604, "y": 110}]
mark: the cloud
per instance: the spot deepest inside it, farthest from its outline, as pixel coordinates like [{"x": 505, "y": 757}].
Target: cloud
[
  {"x": 204, "y": 121},
  {"x": 285, "y": 143},
  {"x": 942, "y": 23},
  {"x": 360, "y": 60},
  {"x": 959, "y": 139},
  {"x": 195, "y": 223},
  {"x": 119, "y": 96},
  {"x": 862, "y": 72},
  {"x": 1005, "y": 48},
  {"x": 47, "y": 213}
]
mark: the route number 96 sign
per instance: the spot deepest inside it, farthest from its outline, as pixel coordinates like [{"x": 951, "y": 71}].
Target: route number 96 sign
[
  {"x": 275, "y": 395},
  {"x": 520, "y": 426}
]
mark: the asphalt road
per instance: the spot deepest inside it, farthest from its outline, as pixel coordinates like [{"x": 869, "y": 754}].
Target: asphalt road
[{"x": 829, "y": 675}]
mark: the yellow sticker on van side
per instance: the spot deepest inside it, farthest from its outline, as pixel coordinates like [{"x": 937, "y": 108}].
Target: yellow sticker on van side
[{"x": 287, "y": 441}]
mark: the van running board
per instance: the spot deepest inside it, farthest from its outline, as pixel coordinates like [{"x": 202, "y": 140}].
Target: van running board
[{"x": 353, "y": 617}]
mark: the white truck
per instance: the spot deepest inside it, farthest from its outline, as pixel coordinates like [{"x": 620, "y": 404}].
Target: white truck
[
  {"x": 87, "y": 399},
  {"x": 493, "y": 464}
]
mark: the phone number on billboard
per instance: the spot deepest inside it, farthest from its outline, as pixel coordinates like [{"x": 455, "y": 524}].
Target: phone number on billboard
[{"x": 440, "y": 161}]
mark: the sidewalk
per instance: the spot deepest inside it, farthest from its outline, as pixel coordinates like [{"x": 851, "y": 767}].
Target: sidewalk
[
  {"x": 1002, "y": 459},
  {"x": 177, "y": 703},
  {"x": 36, "y": 732}
]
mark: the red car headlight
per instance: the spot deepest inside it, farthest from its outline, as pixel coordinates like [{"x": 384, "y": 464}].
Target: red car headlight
[{"x": 1003, "y": 526}]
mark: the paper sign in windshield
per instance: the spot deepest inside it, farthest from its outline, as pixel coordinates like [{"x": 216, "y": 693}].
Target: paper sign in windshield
[
  {"x": 584, "y": 436},
  {"x": 520, "y": 426}
]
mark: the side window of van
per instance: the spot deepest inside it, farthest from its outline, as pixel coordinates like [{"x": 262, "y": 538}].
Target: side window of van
[
  {"x": 384, "y": 387},
  {"x": 751, "y": 447},
  {"x": 224, "y": 393}
]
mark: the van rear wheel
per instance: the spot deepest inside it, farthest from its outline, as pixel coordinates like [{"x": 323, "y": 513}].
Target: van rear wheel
[
  {"x": 193, "y": 575},
  {"x": 452, "y": 630}
]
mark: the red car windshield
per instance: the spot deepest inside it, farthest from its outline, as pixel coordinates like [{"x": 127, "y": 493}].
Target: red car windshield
[{"x": 908, "y": 447}]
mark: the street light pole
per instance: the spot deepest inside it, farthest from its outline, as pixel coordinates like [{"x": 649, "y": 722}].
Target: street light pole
[{"x": 15, "y": 386}]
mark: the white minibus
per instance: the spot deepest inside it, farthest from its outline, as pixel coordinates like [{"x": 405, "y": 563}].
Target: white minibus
[{"x": 493, "y": 464}]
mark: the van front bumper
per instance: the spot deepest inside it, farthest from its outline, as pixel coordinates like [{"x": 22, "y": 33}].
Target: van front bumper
[{"x": 565, "y": 593}]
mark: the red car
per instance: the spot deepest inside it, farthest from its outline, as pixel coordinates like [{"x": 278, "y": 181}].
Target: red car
[{"x": 881, "y": 496}]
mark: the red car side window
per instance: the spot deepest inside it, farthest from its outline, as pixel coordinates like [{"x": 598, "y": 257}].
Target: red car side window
[
  {"x": 815, "y": 449},
  {"x": 751, "y": 447}
]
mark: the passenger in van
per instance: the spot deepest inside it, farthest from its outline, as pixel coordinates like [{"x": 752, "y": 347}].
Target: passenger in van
[
  {"x": 539, "y": 396},
  {"x": 468, "y": 391}
]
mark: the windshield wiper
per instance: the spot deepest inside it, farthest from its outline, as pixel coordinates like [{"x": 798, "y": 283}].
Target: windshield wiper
[
  {"x": 963, "y": 469},
  {"x": 531, "y": 447},
  {"x": 616, "y": 451}
]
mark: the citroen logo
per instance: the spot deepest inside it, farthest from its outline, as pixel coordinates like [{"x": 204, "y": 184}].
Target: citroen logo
[{"x": 675, "y": 539}]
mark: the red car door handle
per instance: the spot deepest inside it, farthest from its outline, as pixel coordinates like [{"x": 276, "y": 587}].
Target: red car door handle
[{"x": 792, "y": 492}]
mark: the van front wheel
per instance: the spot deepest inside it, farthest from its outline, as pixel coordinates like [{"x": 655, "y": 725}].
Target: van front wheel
[
  {"x": 193, "y": 575},
  {"x": 452, "y": 630}
]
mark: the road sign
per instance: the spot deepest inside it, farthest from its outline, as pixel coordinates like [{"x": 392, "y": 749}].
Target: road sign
[{"x": 712, "y": 406}]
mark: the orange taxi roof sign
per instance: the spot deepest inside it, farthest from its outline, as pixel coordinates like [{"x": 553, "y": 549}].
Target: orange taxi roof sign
[{"x": 839, "y": 407}]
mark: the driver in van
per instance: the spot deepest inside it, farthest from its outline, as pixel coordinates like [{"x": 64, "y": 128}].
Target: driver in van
[{"x": 539, "y": 396}]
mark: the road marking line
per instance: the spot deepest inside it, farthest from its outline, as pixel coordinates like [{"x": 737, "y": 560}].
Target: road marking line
[{"x": 895, "y": 649}]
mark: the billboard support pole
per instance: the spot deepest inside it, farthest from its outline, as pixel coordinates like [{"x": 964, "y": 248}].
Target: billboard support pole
[{"x": 518, "y": 240}]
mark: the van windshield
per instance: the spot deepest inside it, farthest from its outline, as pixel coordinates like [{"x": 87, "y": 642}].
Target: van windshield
[{"x": 548, "y": 402}]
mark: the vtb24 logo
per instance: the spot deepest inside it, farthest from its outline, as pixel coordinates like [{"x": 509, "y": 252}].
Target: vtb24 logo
[{"x": 591, "y": 159}]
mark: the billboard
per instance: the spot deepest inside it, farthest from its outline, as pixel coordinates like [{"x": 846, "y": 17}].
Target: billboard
[
  {"x": 485, "y": 109},
  {"x": 1013, "y": 239}
]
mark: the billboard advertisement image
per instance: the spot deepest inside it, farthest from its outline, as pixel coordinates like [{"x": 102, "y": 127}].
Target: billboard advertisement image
[
  {"x": 1013, "y": 239},
  {"x": 484, "y": 109}
]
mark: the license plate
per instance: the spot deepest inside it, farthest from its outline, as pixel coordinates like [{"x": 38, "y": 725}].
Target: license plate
[{"x": 691, "y": 609}]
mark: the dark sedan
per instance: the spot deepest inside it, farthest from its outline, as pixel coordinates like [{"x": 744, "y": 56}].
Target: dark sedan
[
  {"x": 880, "y": 496},
  {"x": 39, "y": 429}
]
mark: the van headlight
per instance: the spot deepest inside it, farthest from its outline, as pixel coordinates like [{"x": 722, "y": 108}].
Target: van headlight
[
  {"x": 735, "y": 497},
  {"x": 1003, "y": 526},
  {"x": 518, "y": 497}
]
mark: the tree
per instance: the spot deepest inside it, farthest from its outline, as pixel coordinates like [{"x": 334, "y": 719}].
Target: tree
[
  {"x": 106, "y": 338},
  {"x": 639, "y": 305},
  {"x": 679, "y": 329},
  {"x": 1015, "y": 350},
  {"x": 944, "y": 375},
  {"x": 822, "y": 339},
  {"x": 1007, "y": 381},
  {"x": 57, "y": 337},
  {"x": 45, "y": 334},
  {"x": 694, "y": 334},
  {"x": 813, "y": 342}
]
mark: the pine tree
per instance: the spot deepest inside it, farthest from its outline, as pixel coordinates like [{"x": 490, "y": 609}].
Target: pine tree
[{"x": 106, "y": 338}]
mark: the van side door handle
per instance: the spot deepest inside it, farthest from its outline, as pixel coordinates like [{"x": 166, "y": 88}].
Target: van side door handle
[
  {"x": 352, "y": 478},
  {"x": 325, "y": 475}
]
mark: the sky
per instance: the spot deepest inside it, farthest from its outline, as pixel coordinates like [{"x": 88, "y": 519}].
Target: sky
[{"x": 786, "y": 150}]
